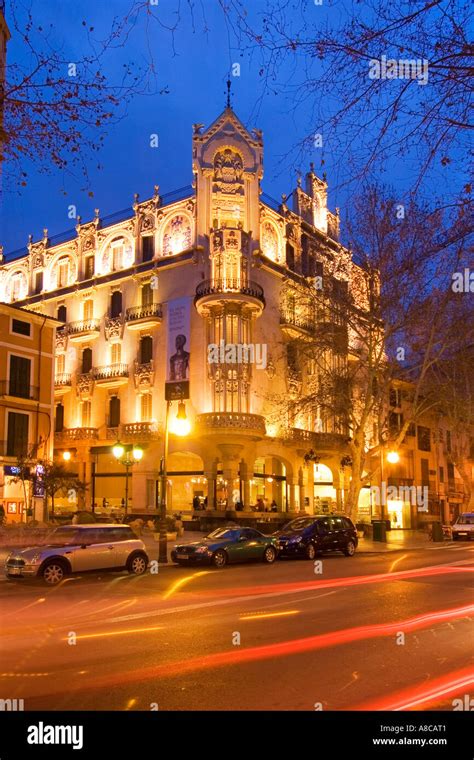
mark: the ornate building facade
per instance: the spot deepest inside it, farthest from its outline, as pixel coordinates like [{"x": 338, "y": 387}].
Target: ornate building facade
[{"x": 241, "y": 262}]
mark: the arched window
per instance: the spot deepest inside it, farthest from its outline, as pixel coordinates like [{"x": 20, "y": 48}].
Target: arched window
[
  {"x": 270, "y": 245},
  {"x": 146, "y": 349},
  {"x": 116, "y": 304},
  {"x": 62, "y": 313},
  {"x": 177, "y": 235}
]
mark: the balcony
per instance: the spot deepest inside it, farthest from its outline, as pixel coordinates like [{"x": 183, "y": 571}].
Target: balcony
[
  {"x": 214, "y": 292},
  {"x": 237, "y": 423},
  {"x": 111, "y": 376},
  {"x": 84, "y": 330},
  {"x": 76, "y": 434},
  {"x": 139, "y": 431},
  {"x": 320, "y": 442},
  {"x": 296, "y": 325},
  {"x": 19, "y": 390},
  {"x": 62, "y": 383},
  {"x": 144, "y": 317}
]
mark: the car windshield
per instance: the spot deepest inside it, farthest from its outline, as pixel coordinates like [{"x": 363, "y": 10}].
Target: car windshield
[
  {"x": 224, "y": 533},
  {"x": 64, "y": 537},
  {"x": 465, "y": 520},
  {"x": 299, "y": 524}
]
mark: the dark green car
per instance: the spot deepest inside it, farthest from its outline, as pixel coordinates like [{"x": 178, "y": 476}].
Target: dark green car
[{"x": 227, "y": 545}]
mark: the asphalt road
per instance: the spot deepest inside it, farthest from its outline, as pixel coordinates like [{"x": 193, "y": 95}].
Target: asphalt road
[{"x": 391, "y": 631}]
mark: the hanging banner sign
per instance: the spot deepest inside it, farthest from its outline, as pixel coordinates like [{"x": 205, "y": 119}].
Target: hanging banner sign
[{"x": 178, "y": 355}]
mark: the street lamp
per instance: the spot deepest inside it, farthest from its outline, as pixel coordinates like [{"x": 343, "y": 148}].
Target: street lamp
[
  {"x": 66, "y": 456},
  {"x": 393, "y": 457},
  {"x": 179, "y": 426},
  {"x": 128, "y": 461}
]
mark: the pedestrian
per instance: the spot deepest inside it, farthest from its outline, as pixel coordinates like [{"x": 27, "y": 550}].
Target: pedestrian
[
  {"x": 274, "y": 506},
  {"x": 205, "y": 502},
  {"x": 196, "y": 503}
]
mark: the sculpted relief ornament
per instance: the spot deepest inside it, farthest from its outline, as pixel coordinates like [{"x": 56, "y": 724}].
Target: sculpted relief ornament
[{"x": 228, "y": 172}]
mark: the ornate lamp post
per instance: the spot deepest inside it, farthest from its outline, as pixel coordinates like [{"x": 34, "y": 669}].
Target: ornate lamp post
[
  {"x": 179, "y": 426},
  {"x": 128, "y": 459}
]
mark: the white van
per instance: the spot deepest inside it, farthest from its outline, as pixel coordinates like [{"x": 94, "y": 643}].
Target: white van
[{"x": 464, "y": 526}]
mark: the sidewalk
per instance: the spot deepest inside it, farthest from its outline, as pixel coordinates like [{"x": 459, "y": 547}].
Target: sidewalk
[{"x": 399, "y": 540}]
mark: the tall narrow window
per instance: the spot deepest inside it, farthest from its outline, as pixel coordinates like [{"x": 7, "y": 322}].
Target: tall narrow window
[
  {"x": 146, "y": 349},
  {"x": 117, "y": 255},
  {"x": 114, "y": 411},
  {"x": 290, "y": 256},
  {"x": 17, "y": 434},
  {"x": 62, "y": 313},
  {"x": 86, "y": 360},
  {"x": 60, "y": 363},
  {"x": 59, "y": 419},
  {"x": 63, "y": 273},
  {"x": 146, "y": 407},
  {"x": 148, "y": 247},
  {"x": 86, "y": 414},
  {"x": 116, "y": 304},
  {"x": 20, "y": 370},
  {"x": 89, "y": 267},
  {"x": 304, "y": 256},
  {"x": 88, "y": 309},
  {"x": 38, "y": 282},
  {"x": 116, "y": 353},
  {"x": 147, "y": 294}
]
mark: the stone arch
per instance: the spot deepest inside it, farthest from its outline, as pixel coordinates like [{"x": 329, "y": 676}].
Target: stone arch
[
  {"x": 271, "y": 240},
  {"x": 177, "y": 232},
  {"x": 52, "y": 268},
  {"x": 103, "y": 255}
]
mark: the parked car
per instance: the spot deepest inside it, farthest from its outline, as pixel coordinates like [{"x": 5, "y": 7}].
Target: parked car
[
  {"x": 463, "y": 527},
  {"x": 309, "y": 536},
  {"x": 226, "y": 545},
  {"x": 77, "y": 549}
]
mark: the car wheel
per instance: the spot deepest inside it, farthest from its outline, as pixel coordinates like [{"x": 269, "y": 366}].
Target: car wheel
[
  {"x": 349, "y": 551},
  {"x": 53, "y": 572},
  {"x": 310, "y": 551},
  {"x": 137, "y": 564},
  {"x": 219, "y": 558},
  {"x": 269, "y": 555}
]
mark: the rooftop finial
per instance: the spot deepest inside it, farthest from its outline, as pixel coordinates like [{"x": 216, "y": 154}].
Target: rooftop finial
[{"x": 228, "y": 94}]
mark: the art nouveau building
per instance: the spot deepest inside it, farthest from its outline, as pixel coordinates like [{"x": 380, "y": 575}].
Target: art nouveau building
[{"x": 241, "y": 261}]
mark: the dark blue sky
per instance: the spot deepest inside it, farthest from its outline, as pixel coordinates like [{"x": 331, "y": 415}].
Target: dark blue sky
[{"x": 195, "y": 76}]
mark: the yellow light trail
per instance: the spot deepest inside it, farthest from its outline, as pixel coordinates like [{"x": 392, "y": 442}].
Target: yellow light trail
[
  {"x": 395, "y": 563},
  {"x": 259, "y": 616},
  {"x": 130, "y": 703},
  {"x": 116, "y": 633},
  {"x": 177, "y": 584}
]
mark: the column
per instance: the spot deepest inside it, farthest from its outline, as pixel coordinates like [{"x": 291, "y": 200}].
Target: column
[
  {"x": 244, "y": 477},
  {"x": 302, "y": 487}
]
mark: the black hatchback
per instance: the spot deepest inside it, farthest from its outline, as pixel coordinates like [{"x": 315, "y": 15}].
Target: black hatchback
[{"x": 309, "y": 536}]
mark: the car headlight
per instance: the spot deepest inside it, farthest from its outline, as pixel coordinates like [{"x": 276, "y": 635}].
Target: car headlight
[{"x": 202, "y": 550}]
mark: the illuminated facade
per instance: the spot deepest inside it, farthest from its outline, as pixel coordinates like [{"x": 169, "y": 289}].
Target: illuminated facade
[{"x": 242, "y": 260}]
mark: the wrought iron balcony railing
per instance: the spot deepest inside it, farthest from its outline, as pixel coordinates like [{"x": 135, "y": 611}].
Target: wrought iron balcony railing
[{"x": 147, "y": 311}]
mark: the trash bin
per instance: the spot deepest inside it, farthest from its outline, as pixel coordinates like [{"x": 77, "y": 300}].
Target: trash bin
[
  {"x": 380, "y": 530},
  {"x": 437, "y": 532}
]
